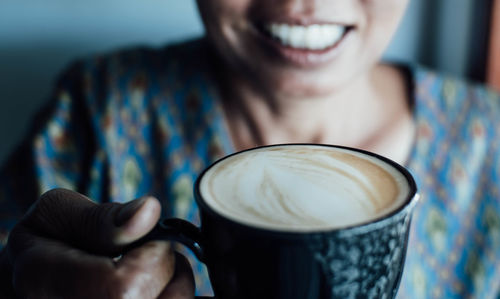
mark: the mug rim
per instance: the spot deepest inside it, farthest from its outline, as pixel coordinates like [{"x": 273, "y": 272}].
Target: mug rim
[{"x": 408, "y": 203}]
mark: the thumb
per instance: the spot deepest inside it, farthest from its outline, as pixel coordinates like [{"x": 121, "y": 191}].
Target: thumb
[
  {"x": 102, "y": 229},
  {"x": 135, "y": 219}
]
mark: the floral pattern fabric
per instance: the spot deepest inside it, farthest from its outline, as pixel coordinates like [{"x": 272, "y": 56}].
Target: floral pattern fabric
[
  {"x": 454, "y": 249},
  {"x": 148, "y": 121}
]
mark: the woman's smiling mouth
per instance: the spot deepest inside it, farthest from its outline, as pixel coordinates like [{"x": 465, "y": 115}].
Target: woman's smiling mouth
[
  {"x": 312, "y": 37},
  {"x": 305, "y": 45}
]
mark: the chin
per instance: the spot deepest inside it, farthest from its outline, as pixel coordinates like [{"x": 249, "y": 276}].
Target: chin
[{"x": 311, "y": 84}]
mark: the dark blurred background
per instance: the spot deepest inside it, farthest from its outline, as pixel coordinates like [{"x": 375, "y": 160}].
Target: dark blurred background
[{"x": 38, "y": 38}]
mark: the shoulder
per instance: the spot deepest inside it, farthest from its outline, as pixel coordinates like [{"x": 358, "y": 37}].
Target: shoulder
[
  {"x": 124, "y": 64},
  {"x": 458, "y": 125},
  {"x": 182, "y": 56},
  {"x": 455, "y": 103},
  {"x": 108, "y": 78},
  {"x": 452, "y": 95}
]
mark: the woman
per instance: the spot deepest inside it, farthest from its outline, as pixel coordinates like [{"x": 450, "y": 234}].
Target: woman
[{"x": 148, "y": 121}]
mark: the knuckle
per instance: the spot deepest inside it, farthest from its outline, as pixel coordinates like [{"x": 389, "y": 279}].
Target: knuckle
[
  {"x": 45, "y": 215},
  {"x": 53, "y": 193},
  {"x": 53, "y": 197},
  {"x": 45, "y": 205}
]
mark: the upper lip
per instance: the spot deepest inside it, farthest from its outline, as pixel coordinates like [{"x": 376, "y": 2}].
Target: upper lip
[{"x": 305, "y": 21}]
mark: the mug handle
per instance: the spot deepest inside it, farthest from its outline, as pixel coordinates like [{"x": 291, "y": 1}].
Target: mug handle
[
  {"x": 174, "y": 229},
  {"x": 179, "y": 230}
]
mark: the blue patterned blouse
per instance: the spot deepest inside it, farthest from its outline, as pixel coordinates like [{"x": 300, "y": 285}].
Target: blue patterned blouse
[{"x": 147, "y": 121}]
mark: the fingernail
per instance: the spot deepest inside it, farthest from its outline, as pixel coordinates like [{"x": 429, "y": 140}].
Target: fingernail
[{"x": 128, "y": 210}]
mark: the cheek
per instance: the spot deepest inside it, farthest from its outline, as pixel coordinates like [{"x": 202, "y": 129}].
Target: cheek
[
  {"x": 386, "y": 13},
  {"x": 382, "y": 20},
  {"x": 223, "y": 10},
  {"x": 224, "y": 19}
]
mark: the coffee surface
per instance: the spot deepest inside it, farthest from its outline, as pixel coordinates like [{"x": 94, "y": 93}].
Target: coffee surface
[{"x": 303, "y": 188}]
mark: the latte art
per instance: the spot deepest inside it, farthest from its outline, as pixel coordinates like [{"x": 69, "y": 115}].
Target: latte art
[{"x": 303, "y": 188}]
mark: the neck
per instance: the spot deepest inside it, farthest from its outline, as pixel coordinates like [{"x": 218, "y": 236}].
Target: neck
[
  {"x": 257, "y": 117},
  {"x": 361, "y": 114}
]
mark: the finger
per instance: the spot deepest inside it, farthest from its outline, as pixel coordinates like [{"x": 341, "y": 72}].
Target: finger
[
  {"x": 182, "y": 284},
  {"x": 149, "y": 269},
  {"x": 102, "y": 229},
  {"x": 136, "y": 220},
  {"x": 51, "y": 269}
]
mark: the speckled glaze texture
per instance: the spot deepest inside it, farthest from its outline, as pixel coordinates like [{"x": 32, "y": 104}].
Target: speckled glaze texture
[
  {"x": 363, "y": 264},
  {"x": 359, "y": 262}
]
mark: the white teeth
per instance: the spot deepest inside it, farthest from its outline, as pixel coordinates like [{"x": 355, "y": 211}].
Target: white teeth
[{"x": 313, "y": 37}]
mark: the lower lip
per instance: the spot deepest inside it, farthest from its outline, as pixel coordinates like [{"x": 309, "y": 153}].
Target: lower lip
[{"x": 306, "y": 57}]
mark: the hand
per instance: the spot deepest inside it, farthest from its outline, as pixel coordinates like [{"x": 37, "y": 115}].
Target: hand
[{"x": 64, "y": 248}]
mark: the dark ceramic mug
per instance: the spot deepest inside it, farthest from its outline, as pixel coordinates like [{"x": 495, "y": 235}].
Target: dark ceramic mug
[{"x": 360, "y": 261}]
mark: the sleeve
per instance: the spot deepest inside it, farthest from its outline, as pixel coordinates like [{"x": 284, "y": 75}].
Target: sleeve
[{"x": 56, "y": 153}]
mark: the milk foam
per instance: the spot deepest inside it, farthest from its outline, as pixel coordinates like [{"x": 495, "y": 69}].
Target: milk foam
[{"x": 303, "y": 188}]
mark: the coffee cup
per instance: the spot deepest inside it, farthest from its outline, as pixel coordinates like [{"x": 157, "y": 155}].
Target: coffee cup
[{"x": 300, "y": 221}]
